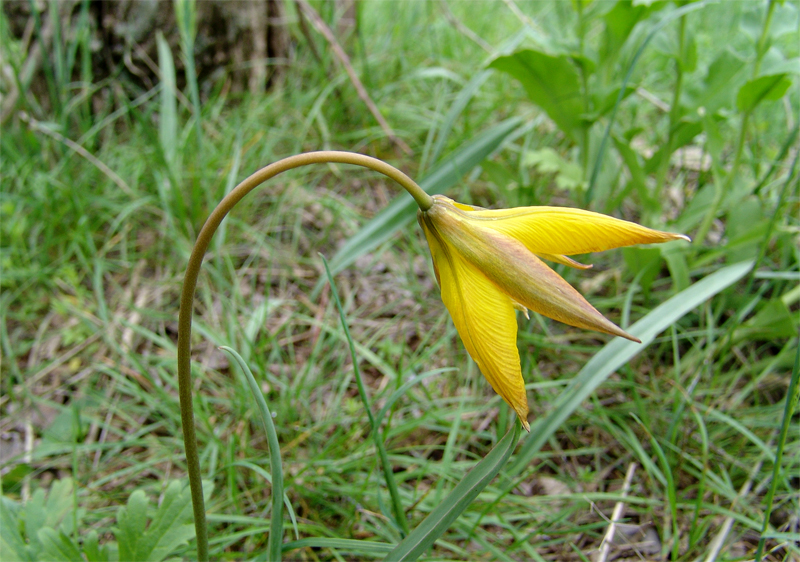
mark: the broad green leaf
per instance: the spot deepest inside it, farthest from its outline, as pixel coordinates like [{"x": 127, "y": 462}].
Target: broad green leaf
[
  {"x": 751, "y": 22},
  {"x": 715, "y": 90},
  {"x": 49, "y": 510},
  {"x": 764, "y": 88},
  {"x": 604, "y": 101},
  {"x": 12, "y": 546},
  {"x": 58, "y": 547},
  {"x": 440, "y": 519},
  {"x": 92, "y": 549},
  {"x": 551, "y": 82},
  {"x": 402, "y": 210},
  {"x": 131, "y": 521},
  {"x": 618, "y": 352},
  {"x": 620, "y": 22},
  {"x": 784, "y": 20},
  {"x": 774, "y": 62},
  {"x": 172, "y": 525},
  {"x": 170, "y": 528},
  {"x": 547, "y": 161}
]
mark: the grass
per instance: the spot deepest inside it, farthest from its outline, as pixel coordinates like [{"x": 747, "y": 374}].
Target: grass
[{"x": 91, "y": 274}]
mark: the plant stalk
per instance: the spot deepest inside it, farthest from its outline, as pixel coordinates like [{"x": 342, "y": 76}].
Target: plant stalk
[{"x": 190, "y": 284}]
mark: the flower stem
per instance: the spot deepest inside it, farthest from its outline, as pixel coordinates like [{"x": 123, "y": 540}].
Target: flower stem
[{"x": 190, "y": 284}]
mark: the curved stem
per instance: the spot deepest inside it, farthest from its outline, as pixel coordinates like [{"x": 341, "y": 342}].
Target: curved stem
[{"x": 190, "y": 284}]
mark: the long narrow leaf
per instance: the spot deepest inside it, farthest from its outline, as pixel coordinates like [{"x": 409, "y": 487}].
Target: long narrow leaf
[
  {"x": 275, "y": 466},
  {"x": 346, "y": 545},
  {"x": 399, "y": 512},
  {"x": 402, "y": 210},
  {"x": 440, "y": 519}
]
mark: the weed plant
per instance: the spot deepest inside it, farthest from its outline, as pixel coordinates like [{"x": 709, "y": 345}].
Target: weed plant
[{"x": 681, "y": 116}]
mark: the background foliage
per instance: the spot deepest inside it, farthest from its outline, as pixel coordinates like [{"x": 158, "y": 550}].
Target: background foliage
[{"x": 681, "y": 116}]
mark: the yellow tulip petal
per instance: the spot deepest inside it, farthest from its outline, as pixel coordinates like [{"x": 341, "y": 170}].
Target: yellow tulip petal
[
  {"x": 566, "y": 231},
  {"x": 485, "y": 320},
  {"x": 522, "y": 276}
]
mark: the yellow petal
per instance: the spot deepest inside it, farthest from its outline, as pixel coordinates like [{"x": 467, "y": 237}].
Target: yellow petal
[
  {"x": 516, "y": 271},
  {"x": 485, "y": 320},
  {"x": 566, "y": 231}
]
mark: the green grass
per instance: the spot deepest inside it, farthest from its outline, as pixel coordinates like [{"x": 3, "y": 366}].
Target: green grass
[{"x": 91, "y": 274}]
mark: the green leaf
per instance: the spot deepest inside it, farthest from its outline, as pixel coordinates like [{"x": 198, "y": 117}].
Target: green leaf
[
  {"x": 131, "y": 521},
  {"x": 634, "y": 164},
  {"x": 49, "y": 510},
  {"x": 440, "y": 519},
  {"x": 551, "y": 82},
  {"x": 618, "y": 352},
  {"x": 172, "y": 525},
  {"x": 275, "y": 462},
  {"x": 167, "y": 119},
  {"x": 605, "y": 100},
  {"x": 403, "y": 209},
  {"x": 723, "y": 77},
  {"x": 619, "y": 23},
  {"x": 773, "y": 321},
  {"x": 12, "y": 546},
  {"x": 676, "y": 262},
  {"x": 745, "y": 229},
  {"x": 170, "y": 528},
  {"x": 644, "y": 261},
  {"x": 344, "y": 545},
  {"x": 92, "y": 550},
  {"x": 58, "y": 547},
  {"x": 685, "y": 132},
  {"x": 764, "y": 88},
  {"x": 688, "y": 58},
  {"x": 547, "y": 161}
]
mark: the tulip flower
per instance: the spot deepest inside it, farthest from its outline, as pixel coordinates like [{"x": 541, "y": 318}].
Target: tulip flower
[{"x": 488, "y": 263}]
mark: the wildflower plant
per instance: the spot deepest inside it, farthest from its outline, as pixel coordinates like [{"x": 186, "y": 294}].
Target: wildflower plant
[{"x": 488, "y": 263}]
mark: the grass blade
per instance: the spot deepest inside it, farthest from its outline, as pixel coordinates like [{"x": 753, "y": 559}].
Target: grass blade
[
  {"x": 403, "y": 209},
  {"x": 276, "y": 524},
  {"x": 167, "y": 119},
  {"x": 440, "y": 519},
  {"x": 347, "y": 545},
  {"x": 792, "y": 397},
  {"x": 459, "y": 104},
  {"x": 399, "y": 512}
]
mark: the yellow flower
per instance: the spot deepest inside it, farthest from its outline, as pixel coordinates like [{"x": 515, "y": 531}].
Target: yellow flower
[{"x": 486, "y": 264}]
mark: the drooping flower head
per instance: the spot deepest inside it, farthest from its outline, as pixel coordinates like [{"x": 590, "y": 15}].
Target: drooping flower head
[{"x": 487, "y": 263}]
